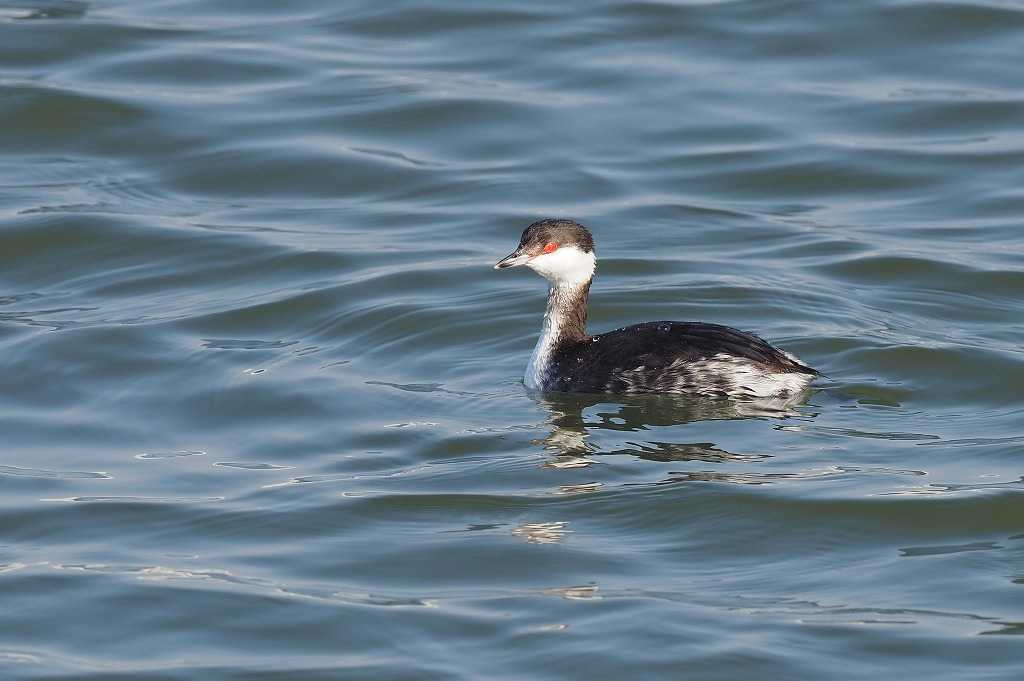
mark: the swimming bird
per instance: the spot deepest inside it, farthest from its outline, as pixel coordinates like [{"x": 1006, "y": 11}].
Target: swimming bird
[{"x": 691, "y": 358}]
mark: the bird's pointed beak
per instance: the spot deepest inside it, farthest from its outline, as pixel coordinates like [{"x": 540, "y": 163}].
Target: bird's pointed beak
[{"x": 513, "y": 259}]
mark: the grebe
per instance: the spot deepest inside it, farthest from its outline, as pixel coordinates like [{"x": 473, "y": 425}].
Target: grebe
[{"x": 653, "y": 357}]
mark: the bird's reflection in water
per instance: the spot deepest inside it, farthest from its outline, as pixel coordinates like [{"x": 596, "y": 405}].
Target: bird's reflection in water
[
  {"x": 573, "y": 422},
  {"x": 575, "y": 418}
]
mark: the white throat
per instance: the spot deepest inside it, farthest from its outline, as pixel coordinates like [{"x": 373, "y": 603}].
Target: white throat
[{"x": 567, "y": 270}]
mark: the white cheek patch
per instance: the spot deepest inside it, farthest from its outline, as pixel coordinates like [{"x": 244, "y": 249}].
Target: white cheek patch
[{"x": 566, "y": 266}]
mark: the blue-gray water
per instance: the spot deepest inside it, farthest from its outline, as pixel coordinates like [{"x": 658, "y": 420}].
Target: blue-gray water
[{"x": 261, "y": 410}]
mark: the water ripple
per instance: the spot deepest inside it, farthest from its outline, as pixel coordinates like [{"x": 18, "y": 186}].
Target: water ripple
[{"x": 17, "y": 471}]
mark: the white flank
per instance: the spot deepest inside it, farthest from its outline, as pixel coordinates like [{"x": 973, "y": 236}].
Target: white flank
[{"x": 747, "y": 377}]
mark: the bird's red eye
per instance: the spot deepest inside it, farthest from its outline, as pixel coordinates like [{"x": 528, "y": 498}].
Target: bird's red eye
[{"x": 551, "y": 247}]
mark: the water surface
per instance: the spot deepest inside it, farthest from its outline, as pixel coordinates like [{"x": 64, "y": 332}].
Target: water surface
[{"x": 261, "y": 408}]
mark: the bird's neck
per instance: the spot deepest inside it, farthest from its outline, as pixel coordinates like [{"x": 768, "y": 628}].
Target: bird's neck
[
  {"x": 565, "y": 320},
  {"x": 566, "y": 316}
]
